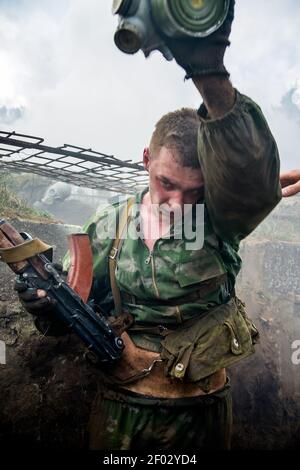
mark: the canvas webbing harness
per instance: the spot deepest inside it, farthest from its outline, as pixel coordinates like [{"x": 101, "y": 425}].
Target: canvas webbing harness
[
  {"x": 208, "y": 287},
  {"x": 112, "y": 259}
]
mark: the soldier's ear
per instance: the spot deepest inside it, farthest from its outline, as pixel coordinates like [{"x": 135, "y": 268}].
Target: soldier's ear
[{"x": 146, "y": 158}]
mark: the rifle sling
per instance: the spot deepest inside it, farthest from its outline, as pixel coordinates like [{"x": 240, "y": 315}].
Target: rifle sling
[
  {"x": 112, "y": 259},
  {"x": 25, "y": 250}
]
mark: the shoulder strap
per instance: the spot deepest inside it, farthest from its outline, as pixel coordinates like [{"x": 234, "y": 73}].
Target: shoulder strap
[{"x": 112, "y": 259}]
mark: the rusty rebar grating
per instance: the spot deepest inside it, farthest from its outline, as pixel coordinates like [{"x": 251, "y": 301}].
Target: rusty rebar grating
[{"x": 70, "y": 164}]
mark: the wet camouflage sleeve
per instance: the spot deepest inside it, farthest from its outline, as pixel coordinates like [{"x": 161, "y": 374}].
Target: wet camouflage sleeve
[{"x": 240, "y": 164}]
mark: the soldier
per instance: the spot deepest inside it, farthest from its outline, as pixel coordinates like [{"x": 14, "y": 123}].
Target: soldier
[{"x": 170, "y": 389}]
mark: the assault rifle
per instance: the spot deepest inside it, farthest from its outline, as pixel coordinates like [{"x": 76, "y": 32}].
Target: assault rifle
[{"x": 27, "y": 258}]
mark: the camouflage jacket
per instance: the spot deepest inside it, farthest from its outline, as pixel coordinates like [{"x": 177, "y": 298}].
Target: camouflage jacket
[{"x": 240, "y": 164}]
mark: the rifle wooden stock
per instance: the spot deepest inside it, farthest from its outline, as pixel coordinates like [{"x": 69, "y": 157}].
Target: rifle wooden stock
[
  {"x": 10, "y": 238},
  {"x": 5, "y": 243},
  {"x": 80, "y": 276}
]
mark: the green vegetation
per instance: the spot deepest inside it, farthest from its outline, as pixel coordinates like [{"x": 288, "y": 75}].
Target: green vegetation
[{"x": 12, "y": 206}]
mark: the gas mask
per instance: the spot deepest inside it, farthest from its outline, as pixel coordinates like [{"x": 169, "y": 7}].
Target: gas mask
[{"x": 142, "y": 23}]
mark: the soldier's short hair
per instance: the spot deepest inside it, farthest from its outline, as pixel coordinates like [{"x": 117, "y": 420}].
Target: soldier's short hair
[{"x": 178, "y": 130}]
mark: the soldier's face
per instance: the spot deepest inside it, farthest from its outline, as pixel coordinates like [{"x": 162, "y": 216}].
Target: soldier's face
[{"x": 171, "y": 183}]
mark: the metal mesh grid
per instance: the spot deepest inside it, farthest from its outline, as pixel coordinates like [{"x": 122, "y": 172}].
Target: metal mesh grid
[{"x": 70, "y": 164}]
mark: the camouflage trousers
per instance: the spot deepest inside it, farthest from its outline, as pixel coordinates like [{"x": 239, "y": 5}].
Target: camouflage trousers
[{"x": 122, "y": 420}]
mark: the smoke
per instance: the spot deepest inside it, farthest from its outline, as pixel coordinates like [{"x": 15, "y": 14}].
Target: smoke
[
  {"x": 290, "y": 104},
  {"x": 59, "y": 62},
  {"x": 265, "y": 63},
  {"x": 286, "y": 126},
  {"x": 10, "y": 115}
]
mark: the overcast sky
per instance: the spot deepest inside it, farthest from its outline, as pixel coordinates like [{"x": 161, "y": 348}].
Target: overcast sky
[{"x": 62, "y": 77}]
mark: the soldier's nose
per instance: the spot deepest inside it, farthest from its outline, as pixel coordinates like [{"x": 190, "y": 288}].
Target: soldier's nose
[{"x": 176, "y": 201}]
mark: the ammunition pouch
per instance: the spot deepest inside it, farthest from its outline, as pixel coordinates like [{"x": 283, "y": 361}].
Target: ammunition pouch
[{"x": 204, "y": 345}]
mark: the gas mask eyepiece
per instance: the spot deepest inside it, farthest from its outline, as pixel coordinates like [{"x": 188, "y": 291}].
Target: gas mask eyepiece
[{"x": 142, "y": 23}]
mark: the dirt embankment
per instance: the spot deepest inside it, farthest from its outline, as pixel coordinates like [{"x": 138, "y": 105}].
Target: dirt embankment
[{"x": 46, "y": 386}]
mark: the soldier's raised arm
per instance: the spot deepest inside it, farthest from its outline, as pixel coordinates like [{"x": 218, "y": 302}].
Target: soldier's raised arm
[
  {"x": 237, "y": 152},
  {"x": 239, "y": 160}
]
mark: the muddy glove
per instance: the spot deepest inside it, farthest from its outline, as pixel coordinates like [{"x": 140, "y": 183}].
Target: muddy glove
[
  {"x": 203, "y": 56},
  {"x": 42, "y": 307}
]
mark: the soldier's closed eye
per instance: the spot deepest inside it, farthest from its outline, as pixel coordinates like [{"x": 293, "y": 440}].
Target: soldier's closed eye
[
  {"x": 167, "y": 185},
  {"x": 194, "y": 192}
]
